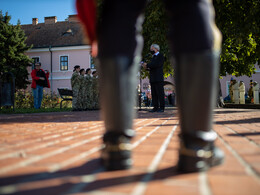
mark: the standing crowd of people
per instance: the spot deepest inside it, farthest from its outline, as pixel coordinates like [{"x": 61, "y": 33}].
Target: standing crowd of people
[
  {"x": 85, "y": 89},
  {"x": 235, "y": 85}
]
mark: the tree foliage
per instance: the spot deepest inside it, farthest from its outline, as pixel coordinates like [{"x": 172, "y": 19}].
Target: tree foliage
[
  {"x": 155, "y": 30},
  {"x": 240, "y": 27},
  {"x": 239, "y": 22},
  {"x": 12, "y": 51}
]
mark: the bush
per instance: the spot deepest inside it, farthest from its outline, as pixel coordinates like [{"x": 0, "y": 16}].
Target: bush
[
  {"x": 24, "y": 99},
  {"x": 67, "y": 104},
  {"x": 50, "y": 101}
]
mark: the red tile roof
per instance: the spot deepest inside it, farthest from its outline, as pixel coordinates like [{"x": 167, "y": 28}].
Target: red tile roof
[{"x": 56, "y": 35}]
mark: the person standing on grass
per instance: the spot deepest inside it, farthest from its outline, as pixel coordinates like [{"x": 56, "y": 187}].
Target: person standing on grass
[
  {"x": 40, "y": 79},
  {"x": 95, "y": 89},
  {"x": 81, "y": 95},
  {"x": 75, "y": 85},
  {"x": 88, "y": 90}
]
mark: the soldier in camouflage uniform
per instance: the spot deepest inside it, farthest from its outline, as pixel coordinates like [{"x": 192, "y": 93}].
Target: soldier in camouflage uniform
[
  {"x": 75, "y": 84},
  {"x": 95, "y": 91},
  {"x": 81, "y": 96},
  {"x": 88, "y": 90}
]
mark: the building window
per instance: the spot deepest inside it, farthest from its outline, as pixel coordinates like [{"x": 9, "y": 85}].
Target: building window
[
  {"x": 92, "y": 63},
  {"x": 35, "y": 59},
  {"x": 64, "y": 62}
]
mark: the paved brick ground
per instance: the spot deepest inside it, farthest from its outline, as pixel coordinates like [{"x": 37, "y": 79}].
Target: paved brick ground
[{"x": 58, "y": 153}]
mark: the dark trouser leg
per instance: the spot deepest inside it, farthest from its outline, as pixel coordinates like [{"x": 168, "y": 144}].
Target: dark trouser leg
[
  {"x": 161, "y": 95},
  {"x": 158, "y": 95},
  {"x": 120, "y": 47},
  {"x": 196, "y": 45},
  {"x": 40, "y": 96},
  {"x": 155, "y": 100},
  {"x": 35, "y": 97}
]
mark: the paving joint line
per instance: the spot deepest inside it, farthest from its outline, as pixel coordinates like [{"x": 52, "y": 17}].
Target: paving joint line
[
  {"x": 47, "y": 134},
  {"x": 55, "y": 168},
  {"x": 249, "y": 170},
  {"x": 204, "y": 184},
  {"x": 40, "y": 146},
  {"x": 246, "y": 138},
  {"x": 99, "y": 192},
  {"x": 87, "y": 178},
  {"x": 38, "y": 158},
  {"x": 78, "y": 187},
  {"x": 142, "y": 185}
]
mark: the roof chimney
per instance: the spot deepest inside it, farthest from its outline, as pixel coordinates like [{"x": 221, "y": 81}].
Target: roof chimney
[
  {"x": 73, "y": 18},
  {"x": 50, "y": 20},
  {"x": 34, "y": 21}
]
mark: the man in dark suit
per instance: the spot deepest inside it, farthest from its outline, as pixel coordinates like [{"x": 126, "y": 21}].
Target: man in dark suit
[{"x": 155, "y": 68}]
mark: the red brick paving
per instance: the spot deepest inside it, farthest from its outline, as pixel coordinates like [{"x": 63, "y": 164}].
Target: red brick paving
[{"x": 58, "y": 153}]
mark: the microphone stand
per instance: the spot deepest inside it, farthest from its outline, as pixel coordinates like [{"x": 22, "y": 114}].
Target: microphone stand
[{"x": 140, "y": 91}]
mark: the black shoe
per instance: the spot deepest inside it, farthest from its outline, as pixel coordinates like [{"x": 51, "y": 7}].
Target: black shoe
[
  {"x": 199, "y": 153},
  {"x": 153, "y": 110},
  {"x": 160, "y": 110},
  {"x": 116, "y": 154}
]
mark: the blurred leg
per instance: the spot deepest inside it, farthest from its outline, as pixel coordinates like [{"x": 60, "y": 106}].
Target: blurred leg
[
  {"x": 158, "y": 96},
  {"x": 120, "y": 46},
  {"x": 40, "y": 96},
  {"x": 35, "y": 97},
  {"x": 161, "y": 95},
  {"x": 74, "y": 99},
  {"x": 154, "y": 97},
  {"x": 195, "y": 43}
]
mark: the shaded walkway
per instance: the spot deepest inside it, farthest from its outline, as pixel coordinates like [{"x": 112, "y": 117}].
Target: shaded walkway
[{"x": 58, "y": 153}]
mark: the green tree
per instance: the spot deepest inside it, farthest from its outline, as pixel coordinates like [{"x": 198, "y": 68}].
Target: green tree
[
  {"x": 12, "y": 51},
  {"x": 238, "y": 22},
  {"x": 155, "y": 30},
  {"x": 240, "y": 27}
]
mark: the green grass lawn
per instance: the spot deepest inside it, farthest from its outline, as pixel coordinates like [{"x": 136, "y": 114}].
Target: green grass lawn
[{"x": 32, "y": 110}]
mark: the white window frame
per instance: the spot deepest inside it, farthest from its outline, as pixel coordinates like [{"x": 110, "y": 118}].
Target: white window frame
[{"x": 63, "y": 55}]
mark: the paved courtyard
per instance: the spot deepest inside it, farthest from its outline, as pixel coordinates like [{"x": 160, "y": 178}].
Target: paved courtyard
[{"x": 58, "y": 154}]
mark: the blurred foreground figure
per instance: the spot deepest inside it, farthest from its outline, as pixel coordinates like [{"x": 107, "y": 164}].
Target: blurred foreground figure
[{"x": 195, "y": 42}]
